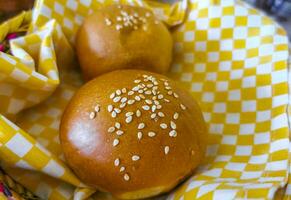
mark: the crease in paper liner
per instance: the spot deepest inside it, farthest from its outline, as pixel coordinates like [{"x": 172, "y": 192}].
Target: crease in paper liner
[
  {"x": 207, "y": 52},
  {"x": 14, "y": 24}
]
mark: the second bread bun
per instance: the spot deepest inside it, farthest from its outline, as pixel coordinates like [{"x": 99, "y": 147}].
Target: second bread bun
[
  {"x": 133, "y": 133},
  {"x": 123, "y": 37}
]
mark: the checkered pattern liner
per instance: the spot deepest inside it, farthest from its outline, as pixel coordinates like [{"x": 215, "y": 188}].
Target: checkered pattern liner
[{"x": 232, "y": 58}]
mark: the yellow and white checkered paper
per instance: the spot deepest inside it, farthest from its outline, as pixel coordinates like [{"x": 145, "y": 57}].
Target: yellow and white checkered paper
[{"x": 232, "y": 58}]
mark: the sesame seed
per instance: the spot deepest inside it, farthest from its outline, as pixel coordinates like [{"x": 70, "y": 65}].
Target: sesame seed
[
  {"x": 151, "y": 134},
  {"x": 148, "y": 14},
  {"x": 110, "y": 108},
  {"x": 176, "y": 95},
  {"x": 122, "y": 105},
  {"x": 117, "y": 110},
  {"x": 168, "y": 88},
  {"x": 136, "y": 88},
  {"x": 118, "y": 27},
  {"x": 142, "y": 96},
  {"x": 170, "y": 92},
  {"x": 148, "y": 92},
  {"x": 126, "y": 177},
  {"x": 112, "y": 95},
  {"x": 122, "y": 169},
  {"x": 97, "y": 108},
  {"x": 131, "y": 101},
  {"x": 173, "y": 125},
  {"x": 160, "y": 96},
  {"x": 150, "y": 85},
  {"x": 156, "y": 102},
  {"x": 116, "y": 99},
  {"x": 137, "y": 81},
  {"x": 124, "y": 13},
  {"x": 113, "y": 114},
  {"x": 141, "y": 125},
  {"x": 183, "y": 107},
  {"x": 148, "y": 101},
  {"x": 141, "y": 91},
  {"x": 159, "y": 107},
  {"x": 108, "y": 22},
  {"x": 167, "y": 149},
  {"x": 138, "y": 113},
  {"x": 92, "y": 115},
  {"x": 115, "y": 142},
  {"x": 116, "y": 162},
  {"x": 173, "y": 133},
  {"x": 156, "y": 83},
  {"x": 135, "y": 157},
  {"x": 119, "y": 132},
  {"x": 176, "y": 115},
  {"x": 118, "y": 18},
  {"x": 167, "y": 100},
  {"x": 139, "y": 135},
  {"x": 117, "y": 125},
  {"x": 128, "y": 119},
  {"x": 111, "y": 129},
  {"x": 163, "y": 126},
  {"x": 118, "y": 92},
  {"x": 146, "y": 107},
  {"x": 153, "y": 115},
  {"x": 123, "y": 90},
  {"x": 166, "y": 83},
  {"x": 130, "y": 93},
  {"x": 154, "y": 97},
  {"x": 128, "y": 114},
  {"x": 137, "y": 98},
  {"x": 161, "y": 114},
  {"x": 154, "y": 107},
  {"x": 124, "y": 99}
]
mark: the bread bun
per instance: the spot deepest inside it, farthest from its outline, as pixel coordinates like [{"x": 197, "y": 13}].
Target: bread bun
[
  {"x": 123, "y": 37},
  {"x": 132, "y": 133}
]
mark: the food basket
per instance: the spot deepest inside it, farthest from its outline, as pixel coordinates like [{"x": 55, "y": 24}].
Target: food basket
[{"x": 232, "y": 58}]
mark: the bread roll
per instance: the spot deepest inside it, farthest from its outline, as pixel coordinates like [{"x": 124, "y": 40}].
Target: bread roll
[
  {"x": 123, "y": 37},
  {"x": 133, "y": 133}
]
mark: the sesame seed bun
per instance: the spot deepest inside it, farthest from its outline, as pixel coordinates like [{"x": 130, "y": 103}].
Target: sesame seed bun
[
  {"x": 133, "y": 133},
  {"x": 123, "y": 37}
]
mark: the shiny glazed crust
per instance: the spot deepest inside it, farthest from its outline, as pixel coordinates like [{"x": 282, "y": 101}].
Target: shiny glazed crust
[
  {"x": 101, "y": 140},
  {"x": 142, "y": 43}
]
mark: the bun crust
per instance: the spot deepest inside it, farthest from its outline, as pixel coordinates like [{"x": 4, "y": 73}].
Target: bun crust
[
  {"x": 100, "y": 135},
  {"x": 142, "y": 43}
]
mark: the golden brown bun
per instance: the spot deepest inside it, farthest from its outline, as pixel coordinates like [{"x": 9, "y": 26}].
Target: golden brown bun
[
  {"x": 87, "y": 138},
  {"x": 102, "y": 48}
]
